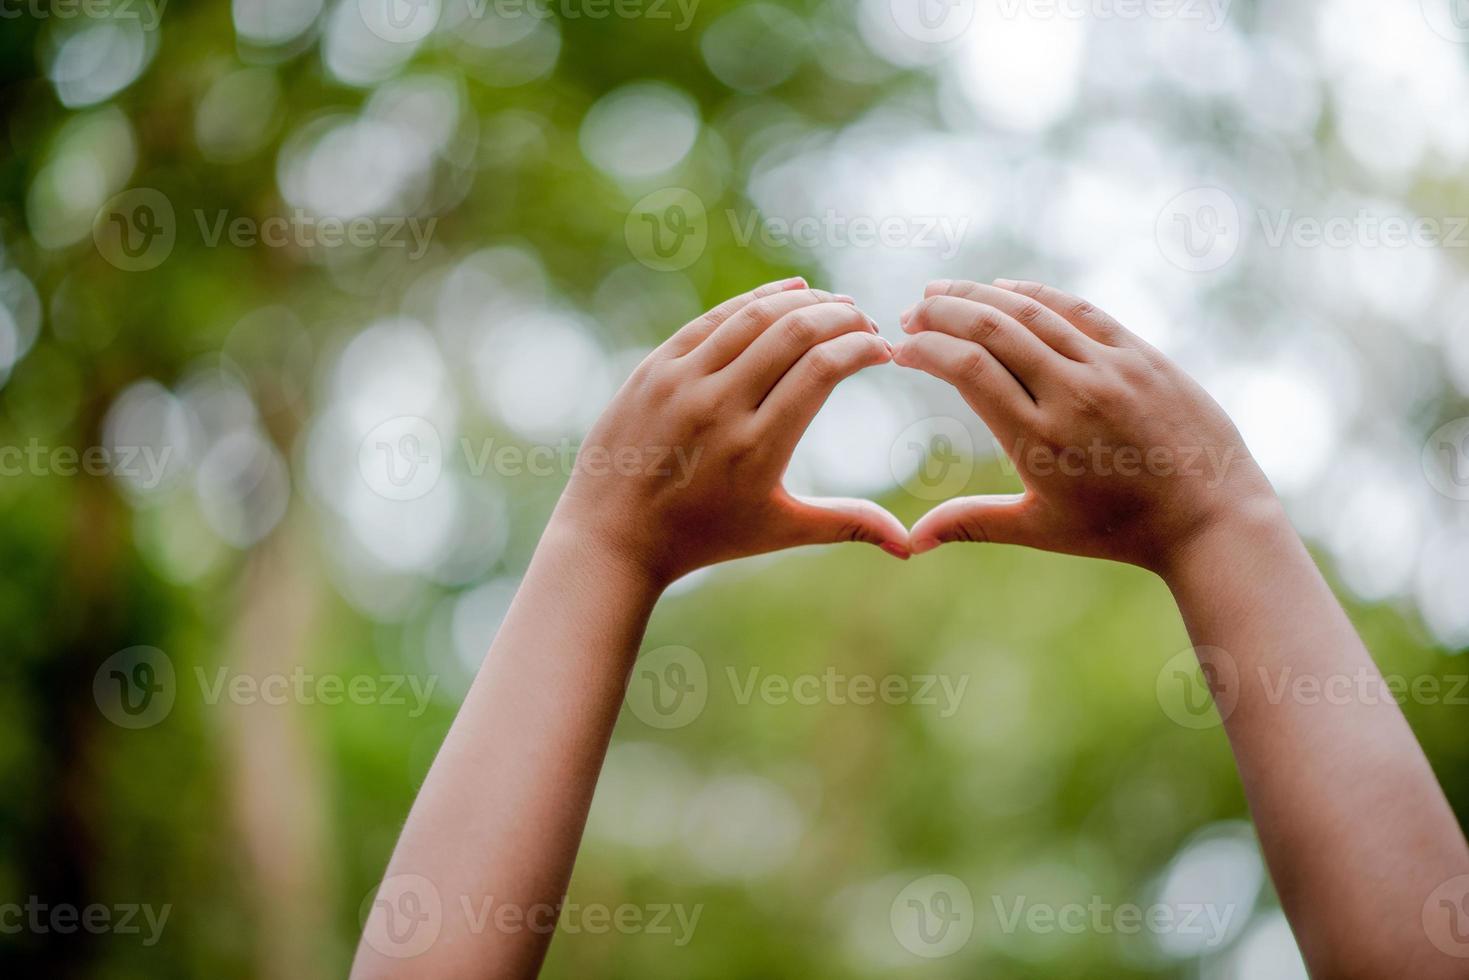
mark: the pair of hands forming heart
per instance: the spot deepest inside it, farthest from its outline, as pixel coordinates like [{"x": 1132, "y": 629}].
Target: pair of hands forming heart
[{"x": 1122, "y": 455}]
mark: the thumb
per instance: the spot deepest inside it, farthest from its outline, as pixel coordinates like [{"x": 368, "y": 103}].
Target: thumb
[
  {"x": 829, "y": 520},
  {"x": 1004, "y": 519}
]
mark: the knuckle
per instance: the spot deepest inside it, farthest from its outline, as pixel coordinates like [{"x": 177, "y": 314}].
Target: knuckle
[
  {"x": 744, "y": 443},
  {"x": 1029, "y": 288},
  {"x": 1080, "y": 309},
  {"x": 1029, "y": 311},
  {"x": 655, "y": 380},
  {"x": 1050, "y": 434},
  {"x": 968, "y": 529},
  {"x": 973, "y": 366},
  {"x": 983, "y": 322},
  {"x": 1098, "y": 400},
  {"x": 802, "y": 328},
  {"x": 762, "y": 310},
  {"x": 701, "y": 405},
  {"x": 823, "y": 363}
]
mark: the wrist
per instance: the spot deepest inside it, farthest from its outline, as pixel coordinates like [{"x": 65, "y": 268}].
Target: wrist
[
  {"x": 1256, "y": 520},
  {"x": 604, "y": 554}
]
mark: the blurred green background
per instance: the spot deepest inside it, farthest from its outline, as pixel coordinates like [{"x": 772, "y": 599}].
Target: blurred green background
[{"x": 541, "y": 194}]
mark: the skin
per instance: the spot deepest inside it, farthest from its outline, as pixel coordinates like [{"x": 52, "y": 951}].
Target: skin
[
  {"x": 1362, "y": 846},
  {"x": 1122, "y": 457},
  {"x": 474, "y": 886}
]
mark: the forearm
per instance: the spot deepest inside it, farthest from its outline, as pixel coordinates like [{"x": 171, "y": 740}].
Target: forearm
[
  {"x": 1353, "y": 824},
  {"x": 497, "y": 823}
]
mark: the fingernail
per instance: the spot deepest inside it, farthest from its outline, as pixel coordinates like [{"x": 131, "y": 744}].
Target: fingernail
[
  {"x": 798, "y": 282},
  {"x": 907, "y": 314},
  {"x": 842, "y": 298},
  {"x": 887, "y": 345},
  {"x": 1006, "y": 283},
  {"x": 940, "y": 286},
  {"x": 896, "y": 551},
  {"x": 924, "y": 544},
  {"x": 873, "y": 324}
]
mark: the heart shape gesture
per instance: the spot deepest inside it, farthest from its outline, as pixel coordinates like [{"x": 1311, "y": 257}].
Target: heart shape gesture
[
  {"x": 1122, "y": 455},
  {"x": 726, "y": 399}
]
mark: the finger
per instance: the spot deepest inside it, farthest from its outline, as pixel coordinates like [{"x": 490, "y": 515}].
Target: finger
[
  {"x": 689, "y": 336},
  {"x": 831, "y": 520},
  {"x": 999, "y": 519},
  {"x": 730, "y": 339},
  {"x": 990, "y": 390},
  {"x": 1024, "y": 355},
  {"x": 796, "y": 398},
  {"x": 774, "y": 352},
  {"x": 1078, "y": 312},
  {"x": 1055, "y": 330}
]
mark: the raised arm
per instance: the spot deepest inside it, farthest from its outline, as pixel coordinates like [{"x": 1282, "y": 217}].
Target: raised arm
[
  {"x": 683, "y": 470},
  {"x": 1124, "y": 457}
]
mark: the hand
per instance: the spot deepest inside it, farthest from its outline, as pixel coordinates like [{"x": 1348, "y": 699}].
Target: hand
[
  {"x": 1123, "y": 456},
  {"x": 684, "y": 467}
]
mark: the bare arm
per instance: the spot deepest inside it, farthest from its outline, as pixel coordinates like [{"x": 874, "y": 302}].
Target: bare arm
[
  {"x": 683, "y": 470},
  {"x": 1358, "y": 836}
]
